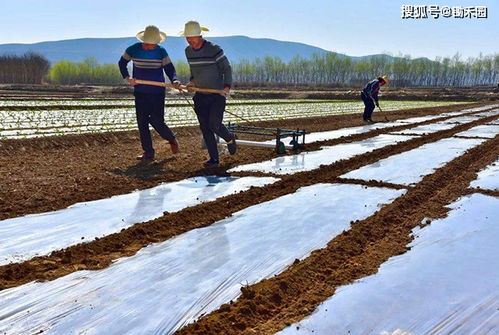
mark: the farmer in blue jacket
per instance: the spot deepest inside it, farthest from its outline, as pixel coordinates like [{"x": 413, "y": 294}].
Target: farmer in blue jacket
[
  {"x": 149, "y": 62},
  {"x": 369, "y": 95}
]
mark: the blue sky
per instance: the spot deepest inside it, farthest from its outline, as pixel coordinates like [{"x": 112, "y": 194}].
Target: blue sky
[{"x": 356, "y": 27}]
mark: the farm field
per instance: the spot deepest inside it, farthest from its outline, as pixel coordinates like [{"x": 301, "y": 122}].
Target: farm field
[
  {"x": 364, "y": 220},
  {"x": 23, "y": 118}
]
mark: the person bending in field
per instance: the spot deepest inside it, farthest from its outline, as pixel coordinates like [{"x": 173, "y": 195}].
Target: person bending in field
[
  {"x": 369, "y": 95},
  {"x": 209, "y": 69},
  {"x": 149, "y": 62}
]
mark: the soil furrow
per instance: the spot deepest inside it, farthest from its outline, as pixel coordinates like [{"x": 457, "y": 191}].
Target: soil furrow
[
  {"x": 273, "y": 304},
  {"x": 483, "y": 191},
  {"x": 44, "y": 174},
  {"x": 101, "y": 252}
]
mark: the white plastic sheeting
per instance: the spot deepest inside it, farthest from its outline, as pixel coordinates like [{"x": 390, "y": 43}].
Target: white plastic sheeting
[
  {"x": 464, "y": 111},
  {"x": 494, "y": 122},
  {"x": 470, "y": 110},
  {"x": 311, "y": 160},
  {"x": 446, "y": 284},
  {"x": 426, "y": 129},
  {"x": 39, "y": 234},
  {"x": 489, "y": 113},
  {"x": 461, "y": 119},
  {"x": 431, "y": 128},
  {"x": 170, "y": 284},
  {"x": 334, "y": 134},
  {"x": 488, "y": 178},
  {"x": 488, "y": 131},
  {"x": 443, "y": 125},
  {"x": 411, "y": 166},
  {"x": 418, "y": 119}
]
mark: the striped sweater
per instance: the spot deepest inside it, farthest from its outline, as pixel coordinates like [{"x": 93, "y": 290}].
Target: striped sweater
[
  {"x": 209, "y": 66},
  {"x": 147, "y": 65}
]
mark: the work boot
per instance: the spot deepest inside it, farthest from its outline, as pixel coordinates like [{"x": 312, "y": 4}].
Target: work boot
[
  {"x": 211, "y": 162},
  {"x": 174, "y": 146},
  {"x": 145, "y": 157},
  {"x": 232, "y": 145}
]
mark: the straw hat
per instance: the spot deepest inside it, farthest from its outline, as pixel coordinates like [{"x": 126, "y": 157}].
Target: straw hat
[
  {"x": 384, "y": 78},
  {"x": 192, "y": 28},
  {"x": 151, "y": 35}
]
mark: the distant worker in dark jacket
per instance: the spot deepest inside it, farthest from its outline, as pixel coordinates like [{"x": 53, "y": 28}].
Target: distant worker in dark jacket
[
  {"x": 149, "y": 62},
  {"x": 369, "y": 95},
  {"x": 209, "y": 69}
]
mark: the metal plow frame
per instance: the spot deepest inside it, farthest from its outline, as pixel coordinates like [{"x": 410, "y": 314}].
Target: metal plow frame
[{"x": 277, "y": 133}]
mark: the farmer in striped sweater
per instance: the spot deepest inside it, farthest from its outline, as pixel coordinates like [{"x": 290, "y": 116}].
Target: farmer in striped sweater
[
  {"x": 209, "y": 69},
  {"x": 369, "y": 95},
  {"x": 149, "y": 62}
]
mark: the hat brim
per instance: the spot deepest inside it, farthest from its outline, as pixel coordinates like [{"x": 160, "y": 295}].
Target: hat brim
[
  {"x": 200, "y": 33},
  {"x": 161, "y": 39}
]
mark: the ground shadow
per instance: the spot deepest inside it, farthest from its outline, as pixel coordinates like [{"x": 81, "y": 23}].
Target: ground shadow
[
  {"x": 220, "y": 170},
  {"x": 145, "y": 171}
]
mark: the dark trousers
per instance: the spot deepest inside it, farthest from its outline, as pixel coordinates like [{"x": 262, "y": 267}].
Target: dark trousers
[
  {"x": 150, "y": 110},
  {"x": 210, "y": 112},
  {"x": 369, "y": 106}
]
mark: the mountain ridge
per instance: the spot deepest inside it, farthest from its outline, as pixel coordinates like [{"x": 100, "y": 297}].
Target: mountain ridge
[{"x": 109, "y": 50}]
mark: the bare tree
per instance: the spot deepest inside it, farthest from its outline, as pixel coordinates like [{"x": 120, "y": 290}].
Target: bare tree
[{"x": 30, "y": 68}]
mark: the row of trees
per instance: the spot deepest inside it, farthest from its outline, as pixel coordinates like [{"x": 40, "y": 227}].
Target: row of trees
[
  {"x": 327, "y": 68},
  {"x": 87, "y": 72},
  {"x": 30, "y": 68},
  {"x": 332, "y": 68}
]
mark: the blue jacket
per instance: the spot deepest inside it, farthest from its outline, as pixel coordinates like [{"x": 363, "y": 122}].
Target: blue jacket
[
  {"x": 371, "y": 89},
  {"x": 147, "y": 65}
]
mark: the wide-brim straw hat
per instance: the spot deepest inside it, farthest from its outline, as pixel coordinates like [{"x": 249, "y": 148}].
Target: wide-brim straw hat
[
  {"x": 385, "y": 79},
  {"x": 151, "y": 35},
  {"x": 192, "y": 29}
]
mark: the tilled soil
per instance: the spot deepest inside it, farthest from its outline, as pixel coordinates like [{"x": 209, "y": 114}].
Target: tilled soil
[
  {"x": 264, "y": 91},
  {"x": 46, "y": 174},
  {"x": 273, "y": 304}
]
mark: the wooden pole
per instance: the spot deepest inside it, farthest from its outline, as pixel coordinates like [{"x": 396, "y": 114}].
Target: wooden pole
[{"x": 182, "y": 87}]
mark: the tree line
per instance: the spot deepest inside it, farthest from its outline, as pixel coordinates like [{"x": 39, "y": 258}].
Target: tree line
[
  {"x": 87, "y": 72},
  {"x": 331, "y": 68},
  {"x": 29, "y": 68},
  {"x": 327, "y": 68}
]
